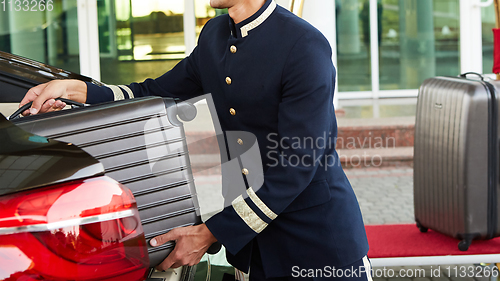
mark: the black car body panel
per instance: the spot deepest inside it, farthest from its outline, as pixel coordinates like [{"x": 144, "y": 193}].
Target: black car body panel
[
  {"x": 28, "y": 161},
  {"x": 18, "y": 74}
]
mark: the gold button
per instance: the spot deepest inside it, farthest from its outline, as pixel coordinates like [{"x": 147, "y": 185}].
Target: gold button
[
  {"x": 233, "y": 49},
  {"x": 232, "y": 111},
  {"x": 228, "y": 80},
  {"x": 240, "y": 141},
  {"x": 245, "y": 171}
]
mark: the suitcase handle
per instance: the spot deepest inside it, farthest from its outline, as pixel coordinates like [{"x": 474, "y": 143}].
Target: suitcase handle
[
  {"x": 186, "y": 111},
  {"x": 18, "y": 112},
  {"x": 464, "y": 75}
]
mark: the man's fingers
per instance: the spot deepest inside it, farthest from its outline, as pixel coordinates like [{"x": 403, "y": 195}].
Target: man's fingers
[
  {"x": 169, "y": 262},
  {"x": 173, "y": 258},
  {"x": 59, "y": 104},
  {"x": 172, "y": 235},
  {"x": 32, "y": 94},
  {"x": 42, "y": 93},
  {"x": 191, "y": 243},
  {"x": 50, "y": 91},
  {"x": 48, "y": 106},
  {"x": 40, "y": 105}
]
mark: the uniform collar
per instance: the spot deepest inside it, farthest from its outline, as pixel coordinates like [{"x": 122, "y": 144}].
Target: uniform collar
[{"x": 241, "y": 29}]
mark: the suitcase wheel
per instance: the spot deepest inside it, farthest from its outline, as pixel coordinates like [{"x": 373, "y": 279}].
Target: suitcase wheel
[
  {"x": 421, "y": 228},
  {"x": 464, "y": 244}
]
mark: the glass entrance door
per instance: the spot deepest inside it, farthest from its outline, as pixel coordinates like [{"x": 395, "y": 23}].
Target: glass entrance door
[
  {"x": 142, "y": 39},
  {"x": 47, "y": 32},
  {"x": 416, "y": 39}
]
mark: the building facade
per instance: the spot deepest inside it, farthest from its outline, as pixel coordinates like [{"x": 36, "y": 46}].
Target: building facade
[{"x": 382, "y": 48}]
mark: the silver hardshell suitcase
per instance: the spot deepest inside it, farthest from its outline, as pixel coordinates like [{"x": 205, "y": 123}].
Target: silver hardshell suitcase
[
  {"x": 141, "y": 144},
  {"x": 456, "y": 158}
]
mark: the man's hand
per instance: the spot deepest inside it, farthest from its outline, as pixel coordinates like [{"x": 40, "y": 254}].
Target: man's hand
[
  {"x": 191, "y": 244},
  {"x": 44, "y": 95}
]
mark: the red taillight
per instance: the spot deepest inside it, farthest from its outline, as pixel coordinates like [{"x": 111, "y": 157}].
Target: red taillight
[{"x": 85, "y": 230}]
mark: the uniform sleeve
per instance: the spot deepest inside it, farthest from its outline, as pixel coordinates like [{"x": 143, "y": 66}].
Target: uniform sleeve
[
  {"x": 183, "y": 81},
  {"x": 305, "y": 112}
]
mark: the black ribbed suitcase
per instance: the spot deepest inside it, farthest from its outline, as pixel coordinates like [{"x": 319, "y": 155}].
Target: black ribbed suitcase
[
  {"x": 141, "y": 144},
  {"x": 456, "y": 182}
]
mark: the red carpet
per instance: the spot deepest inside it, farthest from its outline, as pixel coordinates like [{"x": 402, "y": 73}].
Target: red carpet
[{"x": 405, "y": 240}]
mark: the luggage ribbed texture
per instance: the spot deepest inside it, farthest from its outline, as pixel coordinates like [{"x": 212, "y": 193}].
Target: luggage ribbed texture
[{"x": 438, "y": 157}]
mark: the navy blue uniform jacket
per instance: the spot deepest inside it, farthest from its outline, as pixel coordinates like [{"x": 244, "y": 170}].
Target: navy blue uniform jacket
[{"x": 272, "y": 75}]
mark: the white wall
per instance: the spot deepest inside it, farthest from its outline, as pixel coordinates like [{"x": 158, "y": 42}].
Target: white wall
[{"x": 283, "y": 3}]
